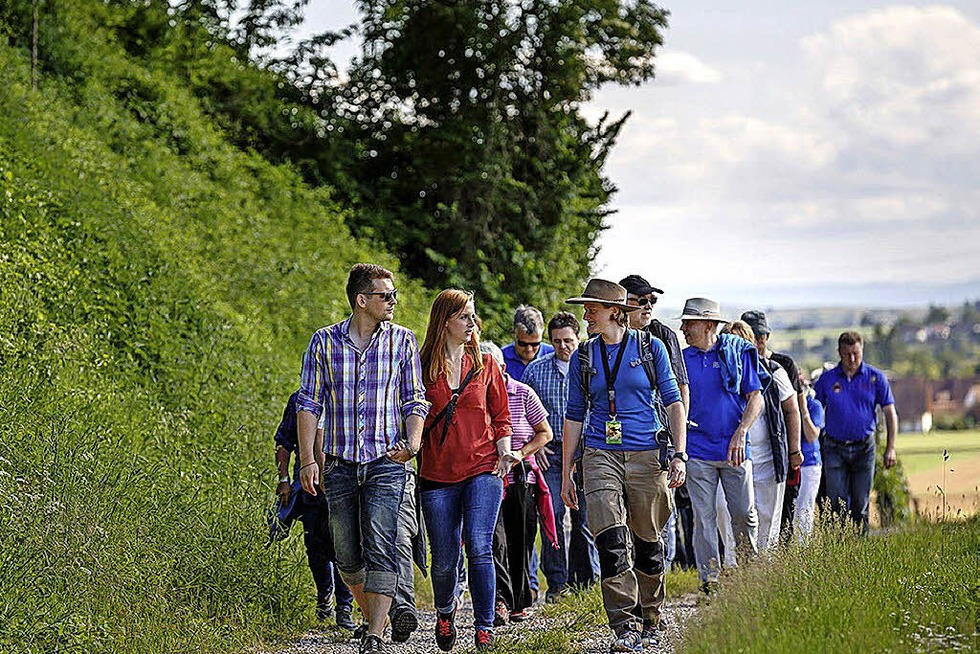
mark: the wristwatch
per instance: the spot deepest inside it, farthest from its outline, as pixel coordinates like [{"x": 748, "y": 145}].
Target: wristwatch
[
  {"x": 682, "y": 456},
  {"x": 284, "y": 480}
]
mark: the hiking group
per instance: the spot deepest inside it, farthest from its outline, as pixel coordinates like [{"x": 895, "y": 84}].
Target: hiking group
[{"x": 630, "y": 453}]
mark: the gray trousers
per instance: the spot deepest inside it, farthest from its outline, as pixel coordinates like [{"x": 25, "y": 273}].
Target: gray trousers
[
  {"x": 408, "y": 528},
  {"x": 702, "y": 483}
]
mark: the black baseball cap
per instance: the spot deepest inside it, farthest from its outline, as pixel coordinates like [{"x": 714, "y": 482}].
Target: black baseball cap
[
  {"x": 757, "y": 321},
  {"x": 638, "y": 286}
]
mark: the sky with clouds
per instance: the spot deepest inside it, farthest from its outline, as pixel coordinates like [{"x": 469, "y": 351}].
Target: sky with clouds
[{"x": 796, "y": 154}]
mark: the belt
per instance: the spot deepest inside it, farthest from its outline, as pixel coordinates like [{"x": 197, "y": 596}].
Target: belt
[{"x": 838, "y": 441}]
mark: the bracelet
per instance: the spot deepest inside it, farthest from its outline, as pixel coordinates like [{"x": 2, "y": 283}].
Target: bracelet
[
  {"x": 796, "y": 452},
  {"x": 311, "y": 463},
  {"x": 284, "y": 480}
]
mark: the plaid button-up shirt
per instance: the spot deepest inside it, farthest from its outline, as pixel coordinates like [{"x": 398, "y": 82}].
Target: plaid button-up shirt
[
  {"x": 551, "y": 385},
  {"x": 362, "y": 398}
]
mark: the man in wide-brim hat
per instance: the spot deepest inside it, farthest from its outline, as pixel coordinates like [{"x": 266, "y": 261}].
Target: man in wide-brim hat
[
  {"x": 725, "y": 390},
  {"x": 625, "y": 485}
]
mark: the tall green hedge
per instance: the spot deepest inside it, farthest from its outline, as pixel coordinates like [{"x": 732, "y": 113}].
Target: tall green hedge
[{"x": 157, "y": 288}]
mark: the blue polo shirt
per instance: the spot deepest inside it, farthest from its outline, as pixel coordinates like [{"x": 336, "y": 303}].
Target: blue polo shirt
[
  {"x": 811, "y": 451},
  {"x": 714, "y": 409},
  {"x": 850, "y": 403},
  {"x": 515, "y": 366},
  {"x": 635, "y": 407}
]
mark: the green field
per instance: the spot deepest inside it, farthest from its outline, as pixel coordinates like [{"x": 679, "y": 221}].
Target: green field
[
  {"x": 937, "y": 486},
  {"x": 922, "y": 452}
]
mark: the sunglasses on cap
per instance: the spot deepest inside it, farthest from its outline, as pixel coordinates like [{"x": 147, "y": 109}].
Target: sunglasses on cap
[{"x": 387, "y": 296}]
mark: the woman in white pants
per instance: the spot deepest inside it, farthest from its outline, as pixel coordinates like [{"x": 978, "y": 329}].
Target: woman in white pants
[{"x": 812, "y": 424}]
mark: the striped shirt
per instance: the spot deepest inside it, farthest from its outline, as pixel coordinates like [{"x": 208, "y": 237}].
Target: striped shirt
[
  {"x": 526, "y": 411},
  {"x": 362, "y": 398},
  {"x": 551, "y": 386}
]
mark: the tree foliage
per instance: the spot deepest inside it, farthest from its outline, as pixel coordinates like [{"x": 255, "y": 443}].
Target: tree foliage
[{"x": 477, "y": 164}]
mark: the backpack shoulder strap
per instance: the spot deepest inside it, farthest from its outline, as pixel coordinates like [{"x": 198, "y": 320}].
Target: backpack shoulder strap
[
  {"x": 585, "y": 363},
  {"x": 646, "y": 356}
]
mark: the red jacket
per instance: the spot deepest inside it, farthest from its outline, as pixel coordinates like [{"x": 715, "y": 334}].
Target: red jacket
[{"x": 482, "y": 417}]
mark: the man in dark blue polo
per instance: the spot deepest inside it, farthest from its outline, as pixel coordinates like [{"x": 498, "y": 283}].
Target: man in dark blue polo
[{"x": 850, "y": 392}]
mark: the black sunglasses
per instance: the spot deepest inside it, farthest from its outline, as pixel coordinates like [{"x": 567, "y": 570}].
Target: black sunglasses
[
  {"x": 643, "y": 301},
  {"x": 528, "y": 343},
  {"x": 387, "y": 296}
]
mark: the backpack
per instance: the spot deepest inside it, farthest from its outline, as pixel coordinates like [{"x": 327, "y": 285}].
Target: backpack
[
  {"x": 643, "y": 337},
  {"x": 775, "y": 421}
]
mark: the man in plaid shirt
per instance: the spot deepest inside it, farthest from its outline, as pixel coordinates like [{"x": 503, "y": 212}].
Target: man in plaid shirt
[{"x": 362, "y": 381}]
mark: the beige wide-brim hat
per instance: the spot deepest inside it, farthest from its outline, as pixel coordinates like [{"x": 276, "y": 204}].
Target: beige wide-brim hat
[
  {"x": 603, "y": 292},
  {"x": 701, "y": 308}
]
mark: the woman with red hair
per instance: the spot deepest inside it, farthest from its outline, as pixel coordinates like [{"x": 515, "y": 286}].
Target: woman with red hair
[{"x": 465, "y": 454}]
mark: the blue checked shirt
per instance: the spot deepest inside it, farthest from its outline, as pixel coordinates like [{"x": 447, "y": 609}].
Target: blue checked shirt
[
  {"x": 362, "y": 398},
  {"x": 551, "y": 385}
]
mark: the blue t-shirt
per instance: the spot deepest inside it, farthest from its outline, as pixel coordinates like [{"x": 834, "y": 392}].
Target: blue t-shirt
[
  {"x": 714, "y": 409},
  {"x": 635, "y": 405},
  {"x": 850, "y": 403},
  {"x": 811, "y": 451},
  {"x": 516, "y": 365}
]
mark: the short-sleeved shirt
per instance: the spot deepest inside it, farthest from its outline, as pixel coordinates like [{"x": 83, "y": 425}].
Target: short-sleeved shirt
[
  {"x": 850, "y": 404},
  {"x": 714, "y": 409},
  {"x": 635, "y": 400},
  {"x": 674, "y": 353},
  {"x": 526, "y": 411},
  {"x": 790, "y": 367},
  {"x": 516, "y": 365},
  {"x": 811, "y": 451}
]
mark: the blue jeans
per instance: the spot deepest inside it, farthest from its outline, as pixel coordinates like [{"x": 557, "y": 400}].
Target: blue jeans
[
  {"x": 464, "y": 511},
  {"x": 364, "y": 501},
  {"x": 849, "y": 468},
  {"x": 576, "y": 564}
]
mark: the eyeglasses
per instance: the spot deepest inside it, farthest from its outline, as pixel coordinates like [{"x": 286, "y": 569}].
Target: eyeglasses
[
  {"x": 387, "y": 296},
  {"x": 528, "y": 343},
  {"x": 646, "y": 300}
]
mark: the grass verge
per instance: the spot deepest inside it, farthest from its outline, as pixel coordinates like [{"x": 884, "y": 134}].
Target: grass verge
[{"x": 912, "y": 591}]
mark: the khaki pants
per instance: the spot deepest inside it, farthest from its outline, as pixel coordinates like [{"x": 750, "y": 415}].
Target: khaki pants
[{"x": 627, "y": 499}]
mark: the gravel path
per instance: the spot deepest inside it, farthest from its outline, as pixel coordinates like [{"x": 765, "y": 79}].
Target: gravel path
[{"x": 336, "y": 641}]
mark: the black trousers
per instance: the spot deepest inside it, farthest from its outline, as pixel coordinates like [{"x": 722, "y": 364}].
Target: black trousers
[
  {"x": 513, "y": 540},
  {"x": 320, "y": 554}
]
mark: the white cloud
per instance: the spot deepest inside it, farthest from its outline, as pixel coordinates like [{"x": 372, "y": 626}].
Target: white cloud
[
  {"x": 908, "y": 76},
  {"x": 675, "y": 67}
]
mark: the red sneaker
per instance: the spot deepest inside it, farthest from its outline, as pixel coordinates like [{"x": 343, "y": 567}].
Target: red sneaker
[
  {"x": 446, "y": 630},
  {"x": 484, "y": 638}
]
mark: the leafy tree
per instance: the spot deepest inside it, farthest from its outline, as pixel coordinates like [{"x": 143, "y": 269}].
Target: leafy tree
[{"x": 477, "y": 164}]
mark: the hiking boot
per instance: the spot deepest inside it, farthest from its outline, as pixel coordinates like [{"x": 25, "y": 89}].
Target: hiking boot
[
  {"x": 627, "y": 640},
  {"x": 518, "y": 616},
  {"x": 345, "y": 618},
  {"x": 403, "y": 624},
  {"x": 650, "y": 636},
  {"x": 372, "y": 644},
  {"x": 553, "y": 596},
  {"x": 323, "y": 611},
  {"x": 483, "y": 638},
  {"x": 446, "y": 630},
  {"x": 360, "y": 632},
  {"x": 709, "y": 587},
  {"x": 500, "y": 614}
]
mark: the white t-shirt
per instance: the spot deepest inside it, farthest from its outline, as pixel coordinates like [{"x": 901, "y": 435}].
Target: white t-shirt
[
  {"x": 562, "y": 366},
  {"x": 760, "y": 449}
]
